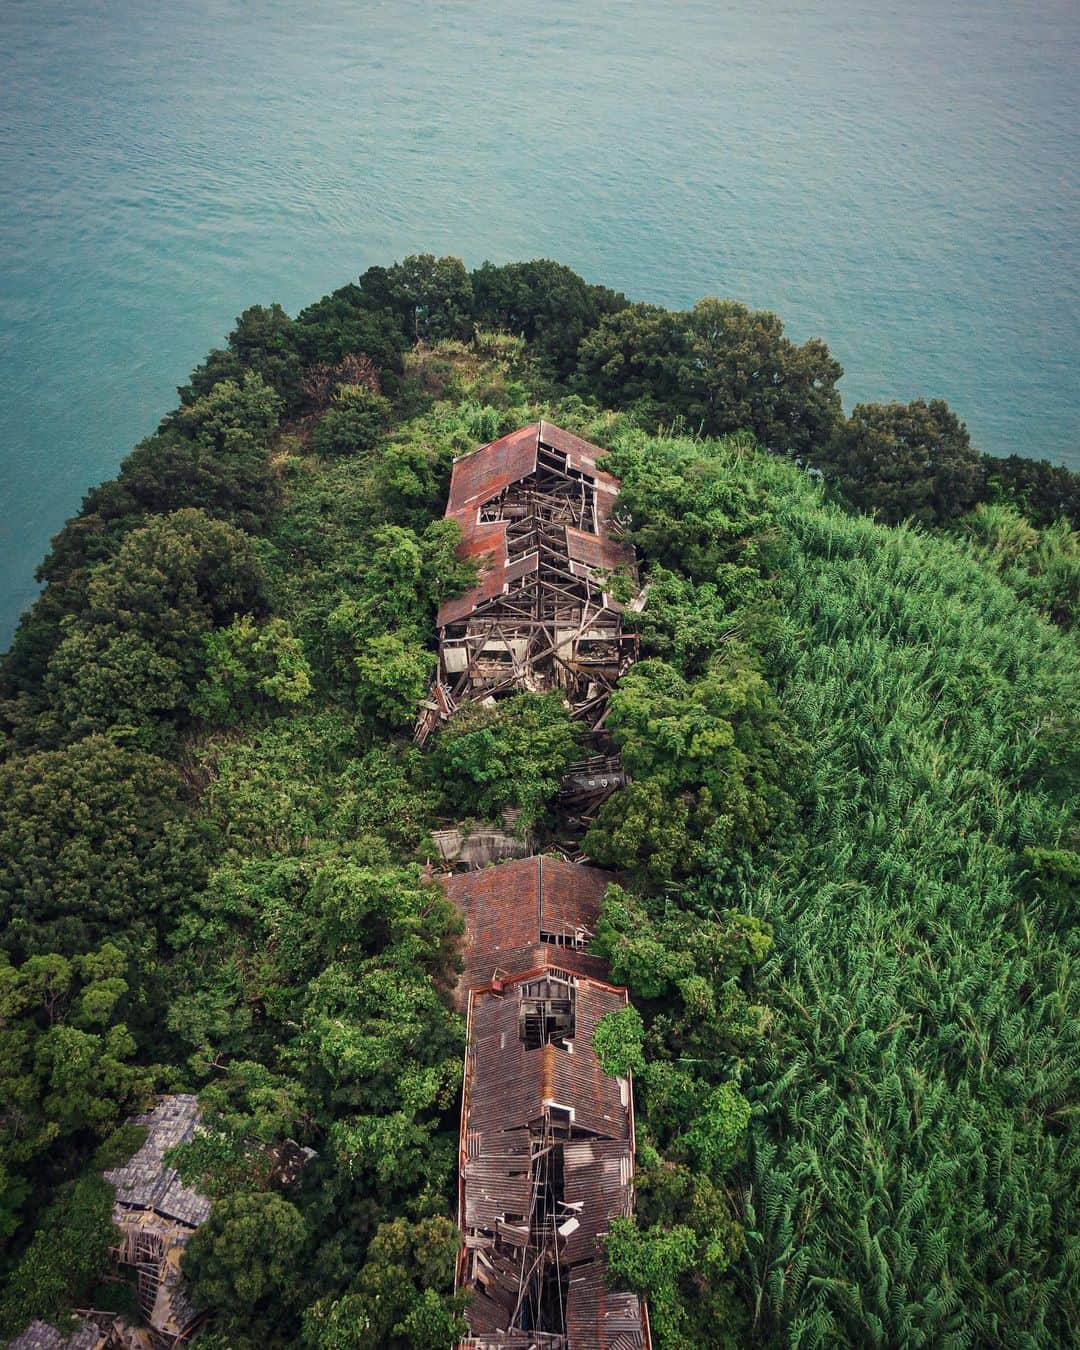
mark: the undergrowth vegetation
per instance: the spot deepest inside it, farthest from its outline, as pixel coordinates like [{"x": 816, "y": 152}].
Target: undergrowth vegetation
[{"x": 848, "y": 854}]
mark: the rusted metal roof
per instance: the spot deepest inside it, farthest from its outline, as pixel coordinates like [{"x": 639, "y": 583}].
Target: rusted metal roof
[
  {"x": 508, "y": 906},
  {"x": 485, "y": 544},
  {"x": 483, "y": 474},
  {"x": 598, "y": 550},
  {"x": 510, "y": 1091},
  {"x": 583, "y": 456},
  {"x": 598, "y": 1318},
  {"x": 489, "y": 470}
]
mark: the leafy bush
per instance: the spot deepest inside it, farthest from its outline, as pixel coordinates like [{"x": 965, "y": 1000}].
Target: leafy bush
[
  {"x": 512, "y": 755},
  {"x": 354, "y": 422}
]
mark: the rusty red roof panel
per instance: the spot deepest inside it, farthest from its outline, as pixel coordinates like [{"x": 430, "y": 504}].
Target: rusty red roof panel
[
  {"x": 583, "y": 456},
  {"x": 570, "y": 895},
  {"x": 485, "y": 544},
  {"x": 478, "y": 477},
  {"x": 597, "y": 1175},
  {"x": 509, "y": 1084},
  {"x": 507, "y": 1087},
  {"x": 598, "y": 551},
  {"x": 506, "y": 907},
  {"x": 598, "y": 1318},
  {"x": 483, "y": 474}
]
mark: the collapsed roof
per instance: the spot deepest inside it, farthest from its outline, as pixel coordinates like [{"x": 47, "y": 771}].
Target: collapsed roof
[
  {"x": 546, "y": 1159},
  {"x": 84, "y": 1335},
  {"x": 157, "y": 1214},
  {"x": 537, "y": 516}
]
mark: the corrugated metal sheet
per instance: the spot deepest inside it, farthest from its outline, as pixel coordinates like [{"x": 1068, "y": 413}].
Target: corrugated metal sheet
[
  {"x": 570, "y": 895},
  {"x": 507, "y": 1087},
  {"x": 483, "y": 474},
  {"x": 506, "y": 908},
  {"x": 145, "y": 1181},
  {"x": 582, "y": 456},
  {"x": 598, "y": 1318},
  {"x": 508, "y": 1084},
  {"x": 597, "y": 1175},
  {"x": 478, "y": 477},
  {"x": 598, "y": 551}
]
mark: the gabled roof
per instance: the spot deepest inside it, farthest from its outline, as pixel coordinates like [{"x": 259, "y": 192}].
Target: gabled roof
[
  {"x": 507, "y": 1085},
  {"x": 506, "y": 908},
  {"x": 485, "y": 472},
  {"x": 488, "y": 471}
]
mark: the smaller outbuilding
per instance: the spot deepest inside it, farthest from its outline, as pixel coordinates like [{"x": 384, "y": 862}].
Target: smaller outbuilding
[{"x": 156, "y": 1214}]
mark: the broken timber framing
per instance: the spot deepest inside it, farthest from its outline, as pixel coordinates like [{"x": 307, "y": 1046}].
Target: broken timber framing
[
  {"x": 546, "y": 1159},
  {"x": 537, "y": 515}
]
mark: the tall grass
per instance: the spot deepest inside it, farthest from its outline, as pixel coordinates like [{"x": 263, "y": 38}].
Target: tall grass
[{"x": 913, "y": 1172}]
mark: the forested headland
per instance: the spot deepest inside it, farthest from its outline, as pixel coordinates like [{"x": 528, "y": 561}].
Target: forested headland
[{"x": 849, "y": 848}]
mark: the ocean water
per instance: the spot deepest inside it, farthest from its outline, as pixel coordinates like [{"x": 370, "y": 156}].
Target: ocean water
[{"x": 898, "y": 179}]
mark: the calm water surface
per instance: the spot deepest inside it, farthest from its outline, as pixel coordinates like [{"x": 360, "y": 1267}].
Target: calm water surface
[{"x": 900, "y": 179}]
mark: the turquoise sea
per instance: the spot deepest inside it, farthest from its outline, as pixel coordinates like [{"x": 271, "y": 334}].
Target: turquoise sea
[{"x": 899, "y": 179}]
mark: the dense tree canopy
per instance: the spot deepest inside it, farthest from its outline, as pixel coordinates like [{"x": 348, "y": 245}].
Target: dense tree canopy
[
  {"x": 719, "y": 367},
  {"x": 847, "y": 853},
  {"x": 95, "y": 842},
  {"x": 905, "y": 461}
]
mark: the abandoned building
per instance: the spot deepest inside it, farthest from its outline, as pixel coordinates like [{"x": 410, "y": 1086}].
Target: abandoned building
[
  {"x": 470, "y": 844},
  {"x": 156, "y": 1214},
  {"x": 546, "y": 1153},
  {"x": 524, "y": 913},
  {"x": 545, "y": 1164},
  {"x": 547, "y": 1138},
  {"x": 86, "y": 1334},
  {"x": 537, "y": 516}
]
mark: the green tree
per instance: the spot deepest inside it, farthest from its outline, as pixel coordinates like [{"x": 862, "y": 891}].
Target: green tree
[
  {"x": 1042, "y": 491},
  {"x": 353, "y": 319},
  {"x": 905, "y": 461},
  {"x": 135, "y": 654},
  {"x": 617, "y": 1040},
  {"x": 550, "y": 306},
  {"x": 652, "y": 1262},
  {"x": 719, "y": 367},
  {"x": 696, "y": 511},
  {"x": 265, "y": 343},
  {"x": 66, "y": 1257},
  {"x": 66, "y": 1074},
  {"x": 431, "y": 297},
  {"x": 717, "y": 1136},
  {"x": 247, "y": 665},
  {"x": 401, "y": 1297},
  {"x": 392, "y": 675},
  {"x": 354, "y": 422},
  {"x": 721, "y": 738},
  {"x": 512, "y": 755},
  {"x": 245, "y": 1264},
  {"x": 644, "y": 833},
  {"x": 212, "y": 453},
  {"x": 94, "y": 842}
]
